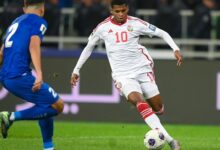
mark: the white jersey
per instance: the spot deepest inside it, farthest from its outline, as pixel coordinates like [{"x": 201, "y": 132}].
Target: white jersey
[{"x": 126, "y": 56}]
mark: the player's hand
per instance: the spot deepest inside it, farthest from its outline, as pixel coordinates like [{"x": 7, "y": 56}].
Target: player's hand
[
  {"x": 37, "y": 85},
  {"x": 1, "y": 54},
  {"x": 74, "y": 79},
  {"x": 1, "y": 57},
  {"x": 178, "y": 57}
]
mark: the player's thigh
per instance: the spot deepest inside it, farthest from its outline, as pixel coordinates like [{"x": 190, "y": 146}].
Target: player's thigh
[
  {"x": 22, "y": 87},
  {"x": 152, "y": 94},
  {"x": 46, "y": 95},
  {"x": 149, "y": 89},
  {"x": 127, "y": 86}
]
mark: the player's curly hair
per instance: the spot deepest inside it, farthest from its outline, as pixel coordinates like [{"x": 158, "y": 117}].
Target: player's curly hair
[
  {"x": 119, "y": 2},
  {"x": 32, "y": 2}
]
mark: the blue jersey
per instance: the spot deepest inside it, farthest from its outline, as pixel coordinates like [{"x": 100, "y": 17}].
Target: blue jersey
[{"x": 16, "y": 55}]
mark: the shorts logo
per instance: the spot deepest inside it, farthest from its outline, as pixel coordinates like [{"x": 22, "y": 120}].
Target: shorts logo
[{"x": 118, "y": 85}]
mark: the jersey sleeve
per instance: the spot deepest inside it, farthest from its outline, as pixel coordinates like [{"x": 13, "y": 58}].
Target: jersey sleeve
[
  {"x": 39, "y": 28},
  {"x": 145, "y": 28},
  {"x": 98, "y": 32},
  {"x": 87, "y": 51}
]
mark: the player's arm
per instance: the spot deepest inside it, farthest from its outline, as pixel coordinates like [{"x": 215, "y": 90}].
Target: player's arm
[
  {"x": 83, "y": 58},
  {"x": 35, "y": 51},
  {"x": 1, "y": 54},
  {"x": 166, "y": 37}
]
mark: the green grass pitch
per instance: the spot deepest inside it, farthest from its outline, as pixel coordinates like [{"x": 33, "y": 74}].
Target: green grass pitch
[{"x": 107, "y": 136}]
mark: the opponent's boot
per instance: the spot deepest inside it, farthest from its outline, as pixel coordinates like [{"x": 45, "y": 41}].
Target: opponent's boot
[{"x": 5, "y": 123}]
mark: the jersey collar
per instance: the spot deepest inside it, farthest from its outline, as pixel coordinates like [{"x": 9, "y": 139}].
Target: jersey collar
[{"x": 119, "y": 24}]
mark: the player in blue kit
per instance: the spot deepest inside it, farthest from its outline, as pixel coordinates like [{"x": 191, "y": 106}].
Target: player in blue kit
[{"x": 21, "y": 46}]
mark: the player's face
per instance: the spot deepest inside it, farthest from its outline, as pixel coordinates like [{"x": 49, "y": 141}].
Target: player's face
[{"x": 120, "y": 13}]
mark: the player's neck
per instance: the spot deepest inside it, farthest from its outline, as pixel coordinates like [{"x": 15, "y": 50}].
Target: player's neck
[
  {"x": 114, "y": 21},
  {"x": 37, "y": 10},
  {"x": 32, "y": 11}
]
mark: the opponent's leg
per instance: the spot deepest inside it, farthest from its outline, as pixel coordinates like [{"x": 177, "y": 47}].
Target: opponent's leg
[
  {"x": 38, "y": 112},
  {"x": 47, "y": 127},
  {"x": 33, "y": 113}
]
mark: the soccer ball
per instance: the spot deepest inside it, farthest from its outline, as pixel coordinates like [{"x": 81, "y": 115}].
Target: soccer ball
[{"x": 154, "y": 140}]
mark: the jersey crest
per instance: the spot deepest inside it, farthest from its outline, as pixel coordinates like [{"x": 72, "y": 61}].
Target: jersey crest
[{"x": 130, "y": 28}]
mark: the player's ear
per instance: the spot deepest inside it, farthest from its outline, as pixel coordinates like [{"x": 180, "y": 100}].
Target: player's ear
[
  {"x": 42, "y": 10},
  {"x": 111, "y": 11},
  {"x": 24, "y": 9},
  {"x": 127, "y": 9}
]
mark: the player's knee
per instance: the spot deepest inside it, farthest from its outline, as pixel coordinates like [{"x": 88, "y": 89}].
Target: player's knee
[
  {"x": 59, "y": 106},
  {"x": 160, "y": 111},
  {"x": 136, "y": 101},
  {"x": 135, "y": 98}
]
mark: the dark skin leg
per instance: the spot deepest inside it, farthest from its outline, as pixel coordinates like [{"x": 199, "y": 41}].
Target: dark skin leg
[
  {"x": 155, "y": 102},
  {"x": 135, "y": 97}
]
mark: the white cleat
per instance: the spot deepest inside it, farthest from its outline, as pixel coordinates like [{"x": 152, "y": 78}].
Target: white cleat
[{"x": 174, "y": 145}]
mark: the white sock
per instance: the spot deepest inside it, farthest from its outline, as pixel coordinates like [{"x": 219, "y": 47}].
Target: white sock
[
  {"x": 49, "y": 148},
  {"x": 12, "y": 116},
  {"x": 154, "y": 122}
]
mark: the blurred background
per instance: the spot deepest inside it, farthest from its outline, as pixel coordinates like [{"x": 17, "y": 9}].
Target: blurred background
[
  {"x": 191, "y": 93},
  {"x": 195, "y": 24}
]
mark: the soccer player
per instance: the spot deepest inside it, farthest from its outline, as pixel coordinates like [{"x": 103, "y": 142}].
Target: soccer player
[
  {"x": 21, "y": 46},
  {"x": 131, "y": 64}
]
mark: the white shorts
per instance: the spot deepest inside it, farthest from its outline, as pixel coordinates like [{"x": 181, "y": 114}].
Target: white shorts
[{"x": 143, "y": 83}]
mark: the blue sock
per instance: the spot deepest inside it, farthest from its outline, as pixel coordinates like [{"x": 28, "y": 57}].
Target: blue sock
[
  {"x": 46, "y": 126},
  {"x": 35, "y": 113}
]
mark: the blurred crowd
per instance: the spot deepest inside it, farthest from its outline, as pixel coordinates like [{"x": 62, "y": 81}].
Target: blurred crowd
[{"x": 88, "y": 13}]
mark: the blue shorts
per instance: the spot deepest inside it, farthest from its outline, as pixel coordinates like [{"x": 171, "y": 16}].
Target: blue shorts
[{"x": 22, "y": 87}]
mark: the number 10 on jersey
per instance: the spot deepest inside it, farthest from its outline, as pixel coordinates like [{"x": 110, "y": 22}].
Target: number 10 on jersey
[{"x": 121, "y": 36}]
